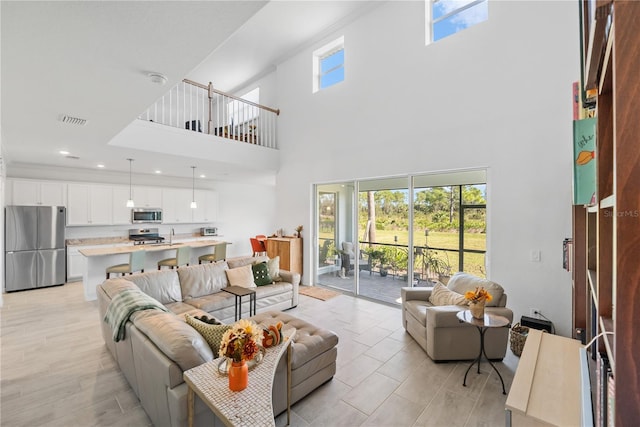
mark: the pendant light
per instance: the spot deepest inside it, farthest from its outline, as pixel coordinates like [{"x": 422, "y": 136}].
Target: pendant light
[
  {"x": 130, "y": 203},
  {"x": 194, "y": 205}
]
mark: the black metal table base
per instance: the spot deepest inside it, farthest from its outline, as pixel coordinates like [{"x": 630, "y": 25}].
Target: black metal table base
[
  {"x": 482, "y": 330},
  {"x": 239, "y": 292}
]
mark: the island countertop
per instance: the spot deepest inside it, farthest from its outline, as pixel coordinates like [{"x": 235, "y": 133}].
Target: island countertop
[{"x": 94, "y": 252}]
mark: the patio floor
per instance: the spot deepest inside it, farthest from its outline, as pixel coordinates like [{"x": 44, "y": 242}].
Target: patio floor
[{"x": 384, "y": 289}]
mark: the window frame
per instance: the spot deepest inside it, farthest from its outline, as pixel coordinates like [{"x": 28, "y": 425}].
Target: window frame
[
  {"x": 323, "y": 53},
  {"x": 432, "y": 22}
]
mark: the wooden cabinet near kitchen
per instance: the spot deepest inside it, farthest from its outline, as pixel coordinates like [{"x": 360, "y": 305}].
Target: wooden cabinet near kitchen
[{"x": 289, "y": 249}]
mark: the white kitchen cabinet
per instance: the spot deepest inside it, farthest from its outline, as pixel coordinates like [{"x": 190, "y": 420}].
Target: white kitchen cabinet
[
  {"x": 207, "y": 210},
  {"x": 37, "y": 193},
  {"x": 76, "y": 262},
  {"x": 147, "y": 197},
  {"x": 89, "y": 204},
  {"x": 176, "y": 206},
  {"x": 121, "y": 214}
]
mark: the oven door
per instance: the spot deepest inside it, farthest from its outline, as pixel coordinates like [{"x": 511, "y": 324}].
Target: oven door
[{"x": 139, "y": 216}]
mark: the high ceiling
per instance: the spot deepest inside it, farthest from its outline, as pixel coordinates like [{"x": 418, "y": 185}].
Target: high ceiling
[{"x": 91, "y": 60}]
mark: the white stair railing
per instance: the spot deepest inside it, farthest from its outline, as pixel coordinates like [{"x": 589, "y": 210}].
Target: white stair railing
[{"x": 201, "y": 108}]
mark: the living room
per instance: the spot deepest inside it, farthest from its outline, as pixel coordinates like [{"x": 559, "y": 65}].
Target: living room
[{"x": 496, "y": 96}]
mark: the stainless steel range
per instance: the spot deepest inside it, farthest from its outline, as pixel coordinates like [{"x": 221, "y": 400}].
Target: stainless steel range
[{"x": 145, "y": 236}]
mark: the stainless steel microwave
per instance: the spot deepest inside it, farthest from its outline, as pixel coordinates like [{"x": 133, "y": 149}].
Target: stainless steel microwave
[{"x": 146, "y": 215}]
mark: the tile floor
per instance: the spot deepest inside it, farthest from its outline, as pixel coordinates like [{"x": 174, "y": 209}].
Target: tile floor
[{"x": 56, "y": 370}]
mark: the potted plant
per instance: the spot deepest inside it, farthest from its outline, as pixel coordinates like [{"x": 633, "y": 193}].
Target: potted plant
[{"x": 437, "y": 266}]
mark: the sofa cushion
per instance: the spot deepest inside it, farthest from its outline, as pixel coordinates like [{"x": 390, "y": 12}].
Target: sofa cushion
[
  {"x": 177, "y": 340},
  {"x": 202, "y": 279},
  {"x": 241, "y": 276},
  {"x": 441, "y": 295},
  {"x": 246, "y": 260},
  {"x": 463, "y": 282},
  {"x": 261, "y": 275},
  {"x": 274, "y": 268},
  {"x": 212, "y": 334},
  {"x": 161, "y": 285}
]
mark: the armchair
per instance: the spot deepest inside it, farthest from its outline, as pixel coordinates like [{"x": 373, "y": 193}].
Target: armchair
[
  {"x": 349, "y": 259},
  {"x": 439, "y": 332}
]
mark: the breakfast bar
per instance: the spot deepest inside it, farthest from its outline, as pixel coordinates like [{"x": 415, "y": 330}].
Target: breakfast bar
[{"x": 98, "y": 259}]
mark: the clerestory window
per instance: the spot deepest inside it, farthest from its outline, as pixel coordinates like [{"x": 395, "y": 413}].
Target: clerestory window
[
  {"x": 447, "y": 17},
  {"x": 328, "y": 65}
]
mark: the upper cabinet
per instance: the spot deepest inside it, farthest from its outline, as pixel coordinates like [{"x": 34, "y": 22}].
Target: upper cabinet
[
  {"x": 36, "y": 193},
  {"x": 89, "y": 204},
  {"x": 121, "y": 213},
  {"x": 207, "y": 210},
  {"x": 176, "y": 204},
  {"x": 147, "y": 197}
]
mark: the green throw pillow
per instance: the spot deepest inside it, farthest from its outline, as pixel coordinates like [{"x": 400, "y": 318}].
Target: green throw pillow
[
  {"x": 212, "y": 334},
  {"x": 261, "y": 276}
]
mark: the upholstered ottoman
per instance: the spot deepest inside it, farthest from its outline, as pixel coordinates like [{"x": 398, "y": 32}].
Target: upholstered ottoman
[{"x": 313, "y": 358}]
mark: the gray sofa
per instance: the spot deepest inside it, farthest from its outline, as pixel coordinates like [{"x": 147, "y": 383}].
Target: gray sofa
[
  {"x": 159, "y": 346},
  {"x": 438, "y": 330}
]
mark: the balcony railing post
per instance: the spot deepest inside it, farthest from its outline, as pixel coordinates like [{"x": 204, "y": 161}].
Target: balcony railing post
[{"x": 210, "y": 95}]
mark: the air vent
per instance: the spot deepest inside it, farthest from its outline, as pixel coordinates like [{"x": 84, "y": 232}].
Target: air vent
[
  {"x": 72, "y": 120},
  {"x": 73, "y": 157}
]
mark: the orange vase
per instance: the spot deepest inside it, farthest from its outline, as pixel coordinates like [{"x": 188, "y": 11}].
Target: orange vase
[{"x": 238, "y": 376}]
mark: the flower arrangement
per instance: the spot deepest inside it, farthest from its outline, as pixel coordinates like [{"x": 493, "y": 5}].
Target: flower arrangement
[
  {"x": 479, "y": 295},
  {"x": 240, "y": 343},
  {"x": 298, "y": 230}
]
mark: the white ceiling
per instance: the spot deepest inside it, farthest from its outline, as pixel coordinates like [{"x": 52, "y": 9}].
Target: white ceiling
[{"x": 91, "y": 60}]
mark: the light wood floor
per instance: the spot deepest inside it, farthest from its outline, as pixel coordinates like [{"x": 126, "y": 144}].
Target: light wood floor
[{"x": 56, "y": 371}]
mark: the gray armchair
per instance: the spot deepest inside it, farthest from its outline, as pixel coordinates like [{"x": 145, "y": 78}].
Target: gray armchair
[{"x": 439, "y": 332}]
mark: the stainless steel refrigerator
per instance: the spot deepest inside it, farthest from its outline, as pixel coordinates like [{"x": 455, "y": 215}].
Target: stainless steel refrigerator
[{"x": 34, "y": 247}]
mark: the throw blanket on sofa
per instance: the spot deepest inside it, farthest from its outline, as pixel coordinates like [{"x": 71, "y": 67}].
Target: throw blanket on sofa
[{"x": 123, "y": 305}]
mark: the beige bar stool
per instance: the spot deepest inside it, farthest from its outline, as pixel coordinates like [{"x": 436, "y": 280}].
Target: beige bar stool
[
  {"x": 183, "y": 257},
  {"x": 136, "y": 263},
  {"x": 219, "y": 254}
]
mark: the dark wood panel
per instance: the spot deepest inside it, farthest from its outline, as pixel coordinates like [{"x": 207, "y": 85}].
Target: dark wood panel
[{"x": 579, "y": 264}]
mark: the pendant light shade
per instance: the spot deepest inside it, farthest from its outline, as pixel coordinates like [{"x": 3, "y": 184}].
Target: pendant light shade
[
  {"x": 194, "y": 205},
  {"x": 130, "y": 203}
]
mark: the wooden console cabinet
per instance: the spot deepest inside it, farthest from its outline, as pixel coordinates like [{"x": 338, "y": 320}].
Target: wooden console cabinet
[{"x": 289, "y": 249}]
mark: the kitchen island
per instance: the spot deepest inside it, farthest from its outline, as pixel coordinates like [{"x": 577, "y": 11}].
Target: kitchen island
[{"x": 98, "y": 259}]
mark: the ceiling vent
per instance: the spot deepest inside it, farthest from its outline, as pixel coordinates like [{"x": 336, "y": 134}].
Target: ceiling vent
[{"x": 73, "y": 120}]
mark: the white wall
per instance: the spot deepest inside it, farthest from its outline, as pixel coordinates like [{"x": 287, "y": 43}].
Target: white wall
[{"x": 497, "y": 95}]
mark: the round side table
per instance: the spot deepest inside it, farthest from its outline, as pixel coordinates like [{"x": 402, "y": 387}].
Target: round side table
[{"x": 489, "y": 321}]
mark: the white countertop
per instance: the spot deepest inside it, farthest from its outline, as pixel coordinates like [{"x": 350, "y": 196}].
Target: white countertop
[{"x": 94, "y": 252}]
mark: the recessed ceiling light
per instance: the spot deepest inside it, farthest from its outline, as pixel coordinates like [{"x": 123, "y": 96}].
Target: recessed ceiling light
[
  {"x": 63, "y": 152},
  {"x": 100, "y": 165},
  {"x": 158, "y": 171},
  {"x": 203, "y": 176}
]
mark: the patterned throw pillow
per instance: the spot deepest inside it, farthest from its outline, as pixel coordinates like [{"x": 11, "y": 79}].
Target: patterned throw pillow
[
  {"x": 441, "y": 295},
  {"x": 212, "y": 334},
  {"x": 261, "y": 275},
  {"x": 274, "y": 268}
]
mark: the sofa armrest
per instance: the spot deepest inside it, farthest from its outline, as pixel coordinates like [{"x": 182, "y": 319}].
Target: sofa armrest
[
  {"x": 294, "y": 279},
  {"x": 415, "y": 293}
]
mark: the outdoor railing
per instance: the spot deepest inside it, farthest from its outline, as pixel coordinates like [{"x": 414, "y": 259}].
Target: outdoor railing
[{"x": 201, "y": 108}]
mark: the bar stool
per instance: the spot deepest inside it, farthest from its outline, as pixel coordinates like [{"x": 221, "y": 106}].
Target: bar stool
[
  {"x": 183, "y": 257},
  {"x": 219, "y": 254},
  {"x": 136, "y": 263}
]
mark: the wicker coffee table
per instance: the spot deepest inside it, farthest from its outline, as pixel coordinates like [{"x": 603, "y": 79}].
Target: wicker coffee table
[{"x": 249, "y": 407}]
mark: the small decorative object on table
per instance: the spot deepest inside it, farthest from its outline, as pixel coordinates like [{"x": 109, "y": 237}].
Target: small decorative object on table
[
  {"x": 240, "y": 344},
  {"x": 299, "y": 231},
  {"x": 477, "y": 300}
]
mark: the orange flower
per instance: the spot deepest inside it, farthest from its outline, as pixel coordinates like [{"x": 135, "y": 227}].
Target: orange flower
[{"x": 479, "y": 295}]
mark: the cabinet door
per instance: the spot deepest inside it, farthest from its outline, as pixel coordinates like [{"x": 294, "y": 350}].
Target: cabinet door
[
  {"x": 176, "y": 206},
  {"x": 207, "y": 210},
  {"x": 121, "y": 213},
  {"x": 147, "y": 197},
  {"x": 78, "y": 204},
  {"x": 25, "y": 193},
  {"x": 100, "y": 205},
  {"x": 52, "y": 194},
  {"x": 75, "y": 265}
]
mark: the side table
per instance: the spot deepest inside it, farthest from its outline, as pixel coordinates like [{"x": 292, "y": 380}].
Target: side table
[
  {"x": 489, "y": 321},
  {"x": 250, "y": 407},
  {"x": 239, "y": 292}
]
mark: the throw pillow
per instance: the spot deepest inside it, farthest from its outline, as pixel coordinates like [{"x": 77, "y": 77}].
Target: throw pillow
[
  {"x": 241, "y": 276},
  {"x": 463, "y": 282},
  {"x": 441, "y": 295},
  {"x": 211, "y": 333},
  {"x": 274, "y": 268},
  {"x": 261, "y": 275}
]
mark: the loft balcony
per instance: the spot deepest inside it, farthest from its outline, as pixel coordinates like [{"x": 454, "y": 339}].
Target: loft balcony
[{"x": 196, "y": 120}]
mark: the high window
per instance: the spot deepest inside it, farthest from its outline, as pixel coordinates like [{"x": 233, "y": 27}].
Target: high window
[
  {"x": 328, "y": 65},
  {"x": 447, "y": 17}
]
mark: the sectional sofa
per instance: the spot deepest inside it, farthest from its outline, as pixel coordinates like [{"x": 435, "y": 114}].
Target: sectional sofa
[{"x": 159, "y": 346}]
